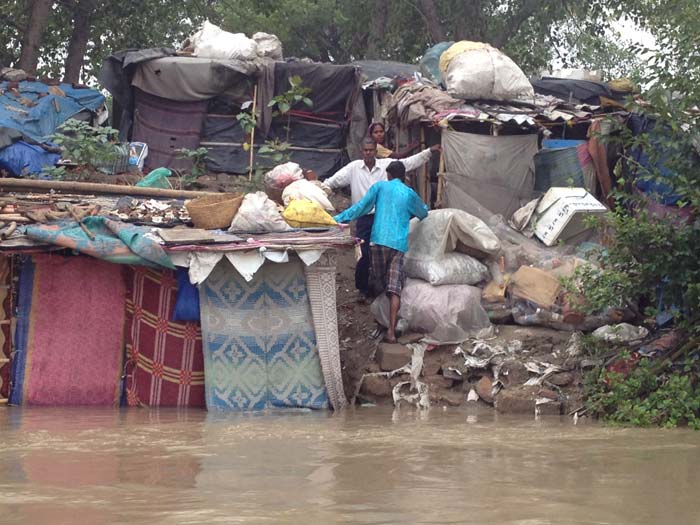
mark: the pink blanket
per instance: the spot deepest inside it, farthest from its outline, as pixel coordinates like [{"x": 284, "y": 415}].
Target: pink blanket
[{"x": 76, "y": 327}]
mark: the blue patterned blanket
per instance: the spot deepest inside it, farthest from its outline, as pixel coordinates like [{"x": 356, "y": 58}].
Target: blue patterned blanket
[{"x": 259, "y": 342}]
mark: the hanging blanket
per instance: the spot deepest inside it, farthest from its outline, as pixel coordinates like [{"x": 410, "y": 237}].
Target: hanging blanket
[
  {"x": 114, "y": 241},
  {"x": 165, "y": 364},
  {"x": 5, "y": 316},
  {"x": 259, "y": 342},
  {"x": 69, "y": 337}
]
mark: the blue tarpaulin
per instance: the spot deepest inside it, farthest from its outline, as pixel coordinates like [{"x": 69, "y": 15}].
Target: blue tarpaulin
[
  {"x": 21, "y": 159},
  {"x": 36, "y": 112}
]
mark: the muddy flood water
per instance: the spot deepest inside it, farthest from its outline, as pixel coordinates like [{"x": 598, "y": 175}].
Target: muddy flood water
[{"x": 371, "y": 465}]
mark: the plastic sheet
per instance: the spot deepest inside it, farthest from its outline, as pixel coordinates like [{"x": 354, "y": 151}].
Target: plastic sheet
[{"x": 213, "y": 42}]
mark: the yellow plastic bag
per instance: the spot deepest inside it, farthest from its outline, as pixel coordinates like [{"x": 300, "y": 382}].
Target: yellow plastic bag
[
  {"x": 303, "y": 213},
  {"x": 457, "y": 49}
]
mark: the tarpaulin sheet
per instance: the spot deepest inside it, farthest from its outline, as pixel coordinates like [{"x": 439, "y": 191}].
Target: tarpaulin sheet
[
  {"x": 36, "y": 112},
  {"x": 498, "y": 172},
  {"x": 188, "y": 79},
  {"x": 21, "y": 159},
  {"x": 332, "y": 87},
  {"x": 166, "y": 126},
  {"x": 563, "y": 167}
]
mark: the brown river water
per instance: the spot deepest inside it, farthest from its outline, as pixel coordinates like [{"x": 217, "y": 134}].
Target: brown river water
[{"x": 370, "y": 465}]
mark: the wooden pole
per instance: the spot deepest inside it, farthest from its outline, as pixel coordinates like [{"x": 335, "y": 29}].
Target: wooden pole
[
  {"x": 252, "y": 133},
  {"x": 98, "y": 189}
]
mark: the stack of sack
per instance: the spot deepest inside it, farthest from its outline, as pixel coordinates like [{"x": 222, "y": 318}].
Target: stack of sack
[{"x": 449, "y": 253}]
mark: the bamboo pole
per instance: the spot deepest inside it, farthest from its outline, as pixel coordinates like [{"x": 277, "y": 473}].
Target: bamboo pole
[
  {"x": 424, "y": 169},
  {"x": 441, "y": 174},
  {"x": 252, "y": 133},
  {"x": 96, "y": 188}
]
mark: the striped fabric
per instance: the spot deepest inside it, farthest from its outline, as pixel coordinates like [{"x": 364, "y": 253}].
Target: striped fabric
[{"x": 165, "y": 365}]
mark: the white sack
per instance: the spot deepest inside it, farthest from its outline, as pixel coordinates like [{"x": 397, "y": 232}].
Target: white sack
[
  {"x": 446, "y": 314},
  {"x": 258, "y": 214},
  {"x": 304, "y": 189},
  {"x": 452, "y": 268},
  {"x": 448, "y": 230},
  {"x": 269, "y": 46},
  {"x": 486, "y": 73},
  {"x": 213, "y": 42}
]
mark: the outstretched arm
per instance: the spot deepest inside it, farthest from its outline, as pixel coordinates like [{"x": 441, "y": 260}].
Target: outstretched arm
[{"x": 360, "y": 208}]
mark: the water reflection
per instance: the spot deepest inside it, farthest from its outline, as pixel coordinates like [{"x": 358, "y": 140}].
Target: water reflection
[{"x": 372, "y": 465}]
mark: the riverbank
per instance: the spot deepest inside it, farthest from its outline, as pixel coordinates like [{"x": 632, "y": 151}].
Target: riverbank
[{"x": 520, "y": 370}]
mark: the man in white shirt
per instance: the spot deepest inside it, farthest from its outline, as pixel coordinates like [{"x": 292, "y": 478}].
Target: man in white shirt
[{"x": 360, "y": 175}]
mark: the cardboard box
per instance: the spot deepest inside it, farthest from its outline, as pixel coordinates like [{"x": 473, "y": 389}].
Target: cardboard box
[{"x": 561, "y": 212}]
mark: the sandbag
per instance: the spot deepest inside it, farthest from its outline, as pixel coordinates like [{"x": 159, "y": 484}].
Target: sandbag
[
  {"x": 486, "y": 73},
  {"x": 304, "y": 189},
  {"x": 304, "y": 213},
  {"x": 258, "y": 214},
  {"x": 446, "y": 314},
  {"x": 279, "y": 177},
  {"x": 452, "y": 268},
  {"x": 213, "y": 42}
]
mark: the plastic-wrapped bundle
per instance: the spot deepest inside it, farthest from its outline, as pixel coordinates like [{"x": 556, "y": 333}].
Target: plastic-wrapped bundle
[
  {"x": 446, "y": 314},
  {"x": 452, "y": 268}
]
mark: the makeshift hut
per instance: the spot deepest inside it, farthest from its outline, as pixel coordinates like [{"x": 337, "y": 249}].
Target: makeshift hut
[
  {"x": 99, "y": 309},
  {"x": 172, "y": 102}
]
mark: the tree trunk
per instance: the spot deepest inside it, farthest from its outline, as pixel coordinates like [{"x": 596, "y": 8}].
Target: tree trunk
[
  {"x": 432, "y": 21},
  {"x": 377, "y": 29},
  {"x": 471, "y": 23},
  {"x": 83, "y": 11},
  {"x": 38, "y": 19}
]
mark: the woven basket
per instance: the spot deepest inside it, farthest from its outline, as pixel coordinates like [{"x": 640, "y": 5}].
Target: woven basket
[{"x": 214, "y": 212}]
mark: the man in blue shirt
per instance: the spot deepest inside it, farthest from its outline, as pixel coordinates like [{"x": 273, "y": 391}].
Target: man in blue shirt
[{"x": 394, "y": 204}]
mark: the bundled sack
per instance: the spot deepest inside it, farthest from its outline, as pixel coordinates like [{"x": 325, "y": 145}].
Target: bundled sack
[
  {"x": 451, "y": 268},
  {"x": 306, "y": 190},
  {"x": 258, "y": 214},
  {"x": 213, "y": 42},
  {"x": 269, "y": 46},
  {"x": 279, "y": 177},
  {"x": 480, "y": 71},
  {"x": 304, "y": 213},
  {"x": 446, "y": 314},
  {"x": 448, "y": 230}
]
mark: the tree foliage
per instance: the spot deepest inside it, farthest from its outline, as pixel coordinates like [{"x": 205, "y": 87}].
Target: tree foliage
[{"x": 530, "y": 31}]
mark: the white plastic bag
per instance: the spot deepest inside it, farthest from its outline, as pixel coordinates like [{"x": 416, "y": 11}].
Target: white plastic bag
[
  {"x": 451, "y": 268},
  {"x": 269, "y": 46},
  {"x": 258, "y": 214},
  {"x": 446, "y": 314},
  {"x": 304, "y": 189},
  {"x": 486, "y": 73},
  {"x": 213, "y": 42}
]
